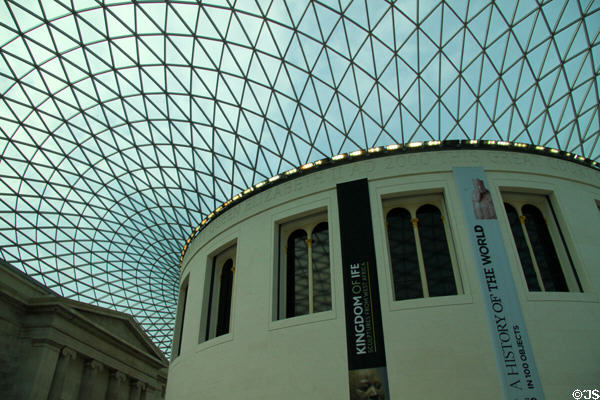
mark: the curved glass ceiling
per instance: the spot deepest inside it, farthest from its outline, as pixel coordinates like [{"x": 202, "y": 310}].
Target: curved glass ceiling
[{"x": 123, "y": 125}]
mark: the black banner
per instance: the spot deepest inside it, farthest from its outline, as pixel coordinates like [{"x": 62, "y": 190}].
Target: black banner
[{"x": 364, "y": 331}]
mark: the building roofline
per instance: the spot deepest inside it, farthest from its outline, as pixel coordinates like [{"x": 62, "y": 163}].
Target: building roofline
[{"x": 383, "y": 151}]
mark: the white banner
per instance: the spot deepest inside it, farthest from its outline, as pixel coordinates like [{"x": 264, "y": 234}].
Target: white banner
[{"x": 514, "y": 357}]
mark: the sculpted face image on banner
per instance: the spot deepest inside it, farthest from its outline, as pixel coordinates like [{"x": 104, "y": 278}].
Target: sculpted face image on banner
[
  {"x": 367, "y": 374},
  {"x": 366, "y": 384},
  {"x": 512, "y": 348}
]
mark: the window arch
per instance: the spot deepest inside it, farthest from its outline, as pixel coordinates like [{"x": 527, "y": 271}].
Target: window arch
[
  {"x": 304, "y": 271},
  {"x": 180, "y": 318},
  {"x": 544, "y": 257},
  {"x": 529, "y": 271},
  {"x": 321, "y": 276},
  {"x": 226, "y": 286},
  {"x": 216, "y": 319},
  {"x": 543, "y": 249},
  {"x": 403, "y": 255},
  {"x": 436, "y": 254},
  {"x": 297, "y": 274},
  {"x": 420, "y": 248}
]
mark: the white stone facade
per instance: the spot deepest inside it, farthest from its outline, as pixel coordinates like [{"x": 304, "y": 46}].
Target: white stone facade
[{"x": 436, "y": 347}]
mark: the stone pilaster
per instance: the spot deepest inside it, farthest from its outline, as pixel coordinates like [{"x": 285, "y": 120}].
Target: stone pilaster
[
  {"x": 118, "y": 387},
  {"x": 67, "y": 376},
  {"x": 137, "y": 388},
  {"x": 94, "y": 382},
  {"x": 38, "y": 371},
  {"x": 153, "y": 393}
]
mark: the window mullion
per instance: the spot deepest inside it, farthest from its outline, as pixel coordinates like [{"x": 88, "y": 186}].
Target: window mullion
[
  {"x": 415, "y": 223},
  {"x": 536, "y": 268}
]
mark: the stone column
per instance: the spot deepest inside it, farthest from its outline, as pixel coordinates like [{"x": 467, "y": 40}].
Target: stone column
[
  {"x": 94, "y": 382},
  {"x": 118, "y": 389},
  {"x": 38, "y": 371},
  {"x": 137, "y": 388},
  {"x": 67, "y": 377}
]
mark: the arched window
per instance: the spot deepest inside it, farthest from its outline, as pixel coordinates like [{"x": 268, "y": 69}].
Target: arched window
[
  {"x": 403, "y": 254},
  {"x": 436, "y": 255},
  {"x": 304, "y": 271},
  {"x": 297, "y": 274},
  {"x": 180, "y": 319},
  {"x": 531, "y": 277},
  {"x": 543, "y": 249},
  {"x": 226, "y": 286},
  {"x": 321, "y": 278},
  {"x": 545, "y": 260},
  {"x": 421, "y": 260},
  {"x": 218, "y": 294}
]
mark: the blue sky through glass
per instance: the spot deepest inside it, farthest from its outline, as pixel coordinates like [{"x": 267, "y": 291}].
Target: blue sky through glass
[{"x": 123, "y": 125}]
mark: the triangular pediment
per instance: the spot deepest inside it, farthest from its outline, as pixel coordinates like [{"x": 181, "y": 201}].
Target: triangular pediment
[{"x": 120, "y": 325}]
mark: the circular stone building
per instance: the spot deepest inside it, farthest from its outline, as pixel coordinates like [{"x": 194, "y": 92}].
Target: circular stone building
[
  {"x": 125, "y": 123},
  {"x": 440, "y": 270}
]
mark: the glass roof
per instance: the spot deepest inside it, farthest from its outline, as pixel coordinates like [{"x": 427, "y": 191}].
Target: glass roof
[{"x": 122, "y": 125}]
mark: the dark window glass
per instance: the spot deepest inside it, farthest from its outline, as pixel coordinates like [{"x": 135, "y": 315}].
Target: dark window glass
[
  {"x": 225, "y": 290},
  {"x": 543, "y": 249},
  {"x": 403, "y": 253},
  {"x": 320, "y": 263},
  {"x": 297, "y": 274},
  {"x": 522, "y": 248},
  {"x": 180, "y": 331},
  {"x": 436, "y": 254},
  {"x": 209, "y": 318}
]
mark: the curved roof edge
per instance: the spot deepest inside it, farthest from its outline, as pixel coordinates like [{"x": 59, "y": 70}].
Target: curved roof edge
[{"x": 382, "y": 151}]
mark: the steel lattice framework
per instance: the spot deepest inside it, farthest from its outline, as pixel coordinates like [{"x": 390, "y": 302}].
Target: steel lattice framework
[{"x": 124, "y": 124}]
